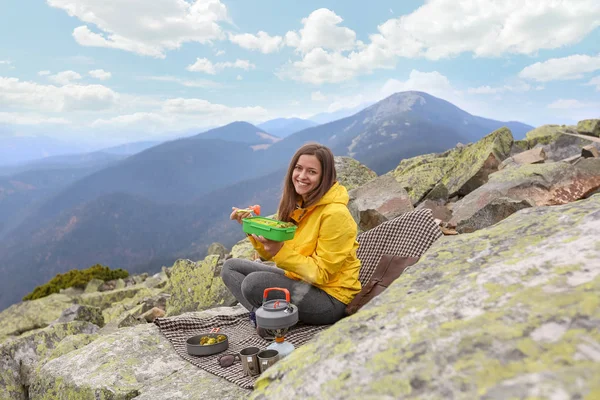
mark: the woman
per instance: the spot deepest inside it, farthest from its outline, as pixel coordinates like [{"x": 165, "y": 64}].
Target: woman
[{"x": 319, "y": 265}]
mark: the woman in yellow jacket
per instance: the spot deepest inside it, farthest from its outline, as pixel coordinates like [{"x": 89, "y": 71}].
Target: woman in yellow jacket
[{"x": 319, "y": 265}]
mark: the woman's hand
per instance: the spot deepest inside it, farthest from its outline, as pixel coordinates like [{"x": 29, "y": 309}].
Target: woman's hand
[
  {"x": 272, "y": 247},
  {"x": 239, "y": 216}
]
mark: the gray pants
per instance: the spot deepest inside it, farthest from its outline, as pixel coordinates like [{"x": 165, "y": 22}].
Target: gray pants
[{"x": 247, "y": 281}]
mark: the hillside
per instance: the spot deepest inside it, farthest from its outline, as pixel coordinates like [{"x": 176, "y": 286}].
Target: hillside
[{"x": 283, "y": 127}]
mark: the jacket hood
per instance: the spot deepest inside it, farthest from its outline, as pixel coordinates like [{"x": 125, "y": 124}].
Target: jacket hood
[{"x": 336, "y": 194}]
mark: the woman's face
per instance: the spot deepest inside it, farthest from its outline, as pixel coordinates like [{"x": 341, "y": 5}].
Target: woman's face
[{"x": 307, "y": 174}]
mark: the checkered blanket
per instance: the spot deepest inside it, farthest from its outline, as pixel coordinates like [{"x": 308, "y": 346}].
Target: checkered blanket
[{"x": 408, "y": 235}]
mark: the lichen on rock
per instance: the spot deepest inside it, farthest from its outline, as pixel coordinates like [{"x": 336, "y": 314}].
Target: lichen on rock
[{"x": 511, "y": 310}]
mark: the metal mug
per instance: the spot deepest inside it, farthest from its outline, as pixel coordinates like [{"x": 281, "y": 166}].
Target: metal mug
[
  {"x": 266, "y": 358},
  {"x": 249, "y": 359}
]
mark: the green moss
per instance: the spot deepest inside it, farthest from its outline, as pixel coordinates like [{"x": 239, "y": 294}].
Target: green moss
[{"x": 75, "y": 278}]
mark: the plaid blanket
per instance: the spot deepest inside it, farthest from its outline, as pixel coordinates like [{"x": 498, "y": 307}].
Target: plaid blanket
[{"x": 408, "y": 235}]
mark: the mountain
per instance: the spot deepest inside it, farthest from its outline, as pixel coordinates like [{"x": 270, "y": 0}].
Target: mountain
[
  {"x": 283, "y": 127},
  {"x": 130, "y": 148},
  {"x": 325, "y": 117},
  {"x": 172, "y": 200},
  {"x": 241, "y": 132},
  {"x": 19, "y": 149}
]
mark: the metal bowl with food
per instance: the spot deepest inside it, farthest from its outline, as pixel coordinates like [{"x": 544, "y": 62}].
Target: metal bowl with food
[{"x": 207, "y": 344}]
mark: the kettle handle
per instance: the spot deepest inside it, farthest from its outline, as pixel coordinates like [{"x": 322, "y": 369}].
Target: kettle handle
[{"x": 284, "y": 290}]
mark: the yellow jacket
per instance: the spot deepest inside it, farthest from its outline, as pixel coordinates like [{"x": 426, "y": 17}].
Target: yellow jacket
[{"x": 323, "y": 250}]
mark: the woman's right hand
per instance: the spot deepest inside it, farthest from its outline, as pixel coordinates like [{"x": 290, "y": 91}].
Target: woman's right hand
[{"x": 238, "y": 216}]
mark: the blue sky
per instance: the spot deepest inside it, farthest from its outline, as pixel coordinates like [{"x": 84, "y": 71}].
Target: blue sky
[{"x": 113, "y": 71}]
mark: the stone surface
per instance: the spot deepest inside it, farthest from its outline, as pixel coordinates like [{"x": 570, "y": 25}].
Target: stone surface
[
  {"x": 418, "y": 175},
  {"x": 19, "y": 357},
  {"x": 132, "y": 362},
  {"x": 538, "y": 184},
  {"x": 491, "y": 213},
  {"x": 243, "y": 249},
  {"x": 152, "y": 314},
  {"x": 379, "y": 200},
  {"x": 34, "y": 314},
  {"x": 217, "y": 249},
  {"x": 80, "y": 312},
  {"x": 511, "y": 311},
  {"x": 590, "y": 152},
  {"x": 533, "y": 156},
  {"x": 351, "y": 173},
  {"x": 108, "y": 299},
  {"x": 589, "y": 127},
  {"x": 93, "y": 285},
  {"x": 197, "y": 286},
  {"x": 438, "y": 210},
  {"x": 122, "y": 307}
]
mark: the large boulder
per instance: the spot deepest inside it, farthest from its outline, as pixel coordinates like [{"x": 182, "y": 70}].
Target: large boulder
[
  {"x": 418, "y": 175},
  {"x": 589, "y": 127},
  {"x": 197, "y": 286},
  {"x": 243, "y": 249},
  {"x": 33, "y": 314},
  {"x": 133, "y": 362},
  {"x": 512, "y": 189},
  {"x": 20, "y": 357},
  {"x": 107, "y": 299},
  {"x": 455, "y": 172},
  {"x": 511, "y": 311},
  {"x": 217, "y": 249},
  {"x": 378, "y": 201},
  {"x": 78, "y": 312},
  {"x": 557, "y": 142},
  {"x": 351, "y": 173}
]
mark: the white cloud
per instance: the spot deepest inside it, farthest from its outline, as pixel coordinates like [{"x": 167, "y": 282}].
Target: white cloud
[
  {"x": 239, "y": 77},
  {"x": 595, "y": 82},
  {"x": 5, "y": 62},
  {"x": 571, "y": 67},
  {"x": 321, "y": 30},
  {"x": 440, "y": 29},
  {"x": 30, "y": 95},
  {"x": 65, "y": 77},
  {"x": 261, "y": 41},
  {"x": 30, "y": 119},
  {"x": 44, "y": 73},
  {"x": 100, "y": 74},
  {"x": 205, "y": 65},
  {"x": 158, "y": 26},
  {"x": 569, "y": 104},
  {"x": 433, "y": 83},
  {"x": 198, "y": 83},
  {"x": 182, "y": 113},
  {"x": 220, "y": 53},
  {"x": 318, "y": 96},
  {"x": 519, "y": 88}
]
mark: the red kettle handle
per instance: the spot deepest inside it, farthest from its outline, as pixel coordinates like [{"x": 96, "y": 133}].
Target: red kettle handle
[{"x": 284, "y": 290}]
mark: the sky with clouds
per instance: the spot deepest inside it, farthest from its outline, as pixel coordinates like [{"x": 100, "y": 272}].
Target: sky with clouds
[{"x": 114, "y": 71}]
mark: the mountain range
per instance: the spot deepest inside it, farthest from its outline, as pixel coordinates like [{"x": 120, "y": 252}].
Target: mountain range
[{"x": 172, "y": 200}]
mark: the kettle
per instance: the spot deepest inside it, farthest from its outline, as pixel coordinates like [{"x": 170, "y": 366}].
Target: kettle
[{"x": 278, "y": 314}]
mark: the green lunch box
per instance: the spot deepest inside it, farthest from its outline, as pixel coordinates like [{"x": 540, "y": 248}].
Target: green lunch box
[{"x": 253, "y": 225}]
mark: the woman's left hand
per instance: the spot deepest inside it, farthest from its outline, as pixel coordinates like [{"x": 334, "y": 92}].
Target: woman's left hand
[{"x": 272, "y": 247}]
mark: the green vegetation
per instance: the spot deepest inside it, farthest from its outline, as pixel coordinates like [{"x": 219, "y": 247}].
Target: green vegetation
[{"x": 75, "y": 278}]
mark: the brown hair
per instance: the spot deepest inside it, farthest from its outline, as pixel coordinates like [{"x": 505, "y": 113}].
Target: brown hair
[{"x": 328, "y": 177}]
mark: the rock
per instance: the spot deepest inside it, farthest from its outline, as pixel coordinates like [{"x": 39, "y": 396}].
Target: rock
[
  {"x": 80, "y": 312},
  {"x": 157, "y": 281},
  {"x": 474, "y": 163},
  {"x": 217, "y": 249},
  {"x": 19, "y": 357},
  {"x": 589, "y": 127},
  {"x": 351, "y": 173},
  {"x": 491, "y": 213},
  {"x": 132, "y": 362},
  {"x": 158, "y": 301},
  {"x": 438, "y": 211},
  {"x": 533, "y": 156},
  {"x": 243, "y": 249},
  {"x": 120, "y": 309},
  {"x": 511, "y": 311},
  {"x": 589, "y": 152},
  {"x": 418, "y": 175},
  {"x": 544, "y": 134},
  {"x": 152, "y": 314},
  {"x": 538, "y": 184},
  {"x": 105, "y": 300},
  {"x": 93, "y": 285},
  {"x": 197, "y": 286},
  {"x": 379, "y": 200},
  {"x": 34, "y": 314},
  {"x": 519, "y": 146}
]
